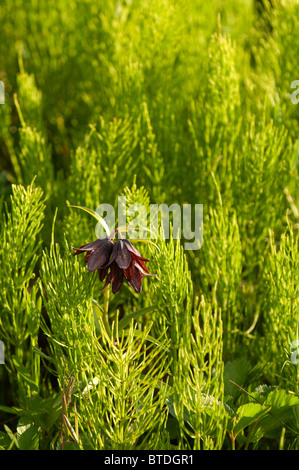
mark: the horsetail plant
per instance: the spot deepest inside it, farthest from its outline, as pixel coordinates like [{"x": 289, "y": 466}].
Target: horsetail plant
[{"x": 20, "y": 230}]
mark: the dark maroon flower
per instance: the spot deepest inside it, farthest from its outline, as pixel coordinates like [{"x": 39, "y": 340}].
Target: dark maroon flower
[{"x": 115, "y": 260}]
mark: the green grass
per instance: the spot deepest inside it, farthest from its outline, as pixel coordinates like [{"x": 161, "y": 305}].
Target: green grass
[{"x": 163, "y": 102}]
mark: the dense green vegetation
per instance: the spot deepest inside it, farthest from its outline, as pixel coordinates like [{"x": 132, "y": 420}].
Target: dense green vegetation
[{"x": 164, "y": 102}]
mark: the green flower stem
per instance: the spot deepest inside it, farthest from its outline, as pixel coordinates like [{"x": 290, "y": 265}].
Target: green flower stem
[{"x": 106, "y": 310}]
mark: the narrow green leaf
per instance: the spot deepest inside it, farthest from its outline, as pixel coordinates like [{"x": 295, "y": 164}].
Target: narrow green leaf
[
  {"x": 25, "y": 374},
  {"x": 95, "y": 316},
  {"x": 132, "y": 316},
  {"x": 95, "y": 215},
  {"x": 11, "y": 410},
  {"x": 43, "y": 355}
]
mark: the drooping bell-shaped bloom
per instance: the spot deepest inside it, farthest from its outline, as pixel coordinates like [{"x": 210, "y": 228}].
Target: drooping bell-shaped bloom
[{"x": 115, "y": 261}]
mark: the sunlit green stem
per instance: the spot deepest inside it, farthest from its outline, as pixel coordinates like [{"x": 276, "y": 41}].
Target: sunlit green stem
[{"x": 106, "y": 310}]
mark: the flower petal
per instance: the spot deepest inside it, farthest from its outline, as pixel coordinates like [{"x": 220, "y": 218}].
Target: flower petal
[
  {"x": 118, "y": 280},
  {"x": 90, "y": 246},
  {"x": 140, "y": 261},
  {"x": 143, "y": 272},
  {"x": 123, "y": 257},
  {"x": 136, "y": 282},
  {"x": 131, "y": 248},
  {"x": 129, "y": 272},
  {"x": 100, "y": 256},
  {"x": 113, "y": 256},
  {"x": 103, "y": 273},
  {"x": 110, "y": 276}
]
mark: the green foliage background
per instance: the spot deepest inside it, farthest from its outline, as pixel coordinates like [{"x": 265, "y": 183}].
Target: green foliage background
[{"x": 165, "y": 102}]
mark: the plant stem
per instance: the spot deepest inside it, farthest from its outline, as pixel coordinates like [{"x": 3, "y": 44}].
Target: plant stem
[
  {"x": 106, "y": 310},
  {"x": 233, "y": 441}
]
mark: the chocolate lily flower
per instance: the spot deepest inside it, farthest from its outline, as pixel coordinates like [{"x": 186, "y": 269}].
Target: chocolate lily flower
[{"x": 115, "y": 260}]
